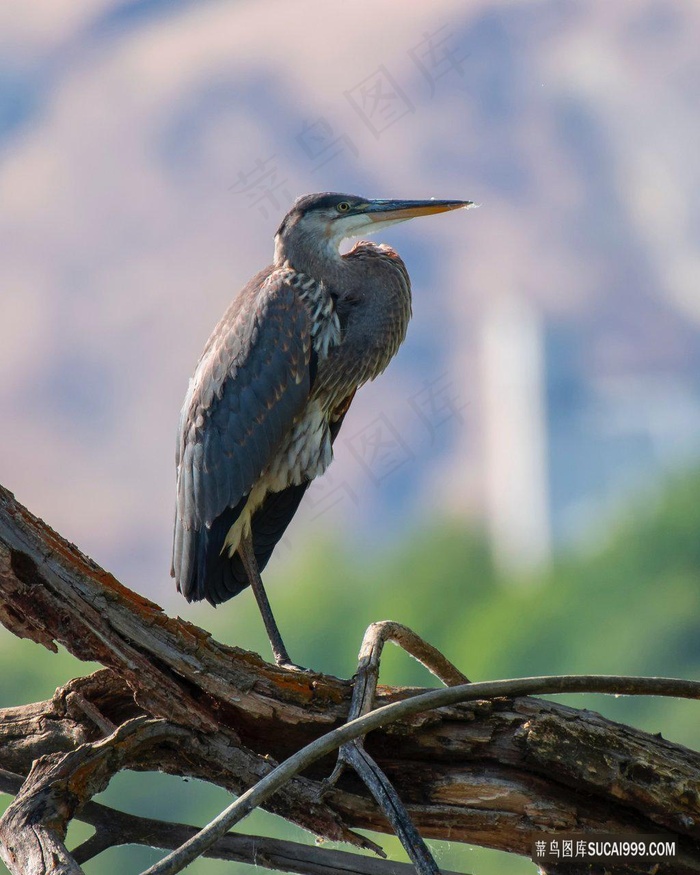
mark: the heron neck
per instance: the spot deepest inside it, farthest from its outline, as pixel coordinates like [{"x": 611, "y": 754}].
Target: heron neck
[{"x": 322, "y": 262}]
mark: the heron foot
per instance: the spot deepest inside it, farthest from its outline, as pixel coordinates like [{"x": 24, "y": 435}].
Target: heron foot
[{"x": 292, "y": 666}]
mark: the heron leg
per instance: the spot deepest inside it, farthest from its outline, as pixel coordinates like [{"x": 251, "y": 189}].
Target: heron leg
[
  {"x": 250, "y": 563},
  {"x": 354, "y": 755}
]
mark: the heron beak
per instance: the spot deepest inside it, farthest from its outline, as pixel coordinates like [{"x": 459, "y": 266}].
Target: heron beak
[{"x": 400, "y": 211}]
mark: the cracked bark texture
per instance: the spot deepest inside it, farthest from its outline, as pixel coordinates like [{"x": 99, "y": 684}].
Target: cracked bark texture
[{"x": 488, "y": 772}]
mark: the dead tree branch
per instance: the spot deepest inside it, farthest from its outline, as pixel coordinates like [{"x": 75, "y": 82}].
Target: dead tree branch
[
  {"x": 113, "y": 828},
  {"x": 491, "y": 771}
]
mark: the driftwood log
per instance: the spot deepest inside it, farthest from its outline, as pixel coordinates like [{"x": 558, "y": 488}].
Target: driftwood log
[{"x": 491, "y": 772}]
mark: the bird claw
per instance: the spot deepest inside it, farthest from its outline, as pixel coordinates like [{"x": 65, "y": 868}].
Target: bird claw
[{"x": 292, "y": 666}]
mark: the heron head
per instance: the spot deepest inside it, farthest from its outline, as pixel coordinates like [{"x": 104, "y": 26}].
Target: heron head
[{"x": 320, "y": 222}]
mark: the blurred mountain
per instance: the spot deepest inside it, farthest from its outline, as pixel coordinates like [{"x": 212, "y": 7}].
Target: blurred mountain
[{"x": 149, "y": 148}]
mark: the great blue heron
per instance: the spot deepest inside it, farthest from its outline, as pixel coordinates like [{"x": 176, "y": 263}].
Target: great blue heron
[{"x": 274, "y": 383}]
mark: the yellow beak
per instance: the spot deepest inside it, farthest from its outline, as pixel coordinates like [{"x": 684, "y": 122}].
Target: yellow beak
[{"x": 392, "y": 211}]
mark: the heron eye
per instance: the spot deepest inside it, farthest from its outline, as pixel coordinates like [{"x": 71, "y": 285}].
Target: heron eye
[{"x": 343, "y": 207}]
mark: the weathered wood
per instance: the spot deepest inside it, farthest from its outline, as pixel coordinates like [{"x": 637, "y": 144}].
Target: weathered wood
[
  {"x": 489, "y": 772},
  {"x": 113, "y": 827}
]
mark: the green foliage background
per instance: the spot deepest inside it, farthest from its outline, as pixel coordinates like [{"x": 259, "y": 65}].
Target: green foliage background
[{"x": 630, "y": 605}]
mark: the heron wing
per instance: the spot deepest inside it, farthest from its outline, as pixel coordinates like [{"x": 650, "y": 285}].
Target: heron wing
[
  {"x": 226, "y": 575},
  {"x": 251, "y": 382}
]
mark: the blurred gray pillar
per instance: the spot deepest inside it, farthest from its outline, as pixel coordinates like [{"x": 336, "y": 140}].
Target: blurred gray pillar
[{"x": 516, "y": 488}]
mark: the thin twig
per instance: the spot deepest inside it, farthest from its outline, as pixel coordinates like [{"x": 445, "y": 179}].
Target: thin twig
[
  {"x": 367, "y": 675},
  {"x": 383, "y": 631},
  {"x": 353, "y": 753},
  {"x": 546, "y": 685},
  {"x": 391, "y": 805}
]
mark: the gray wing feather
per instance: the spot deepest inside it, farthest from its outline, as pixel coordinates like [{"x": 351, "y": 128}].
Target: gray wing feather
[{"x": 252, "y": 381}]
